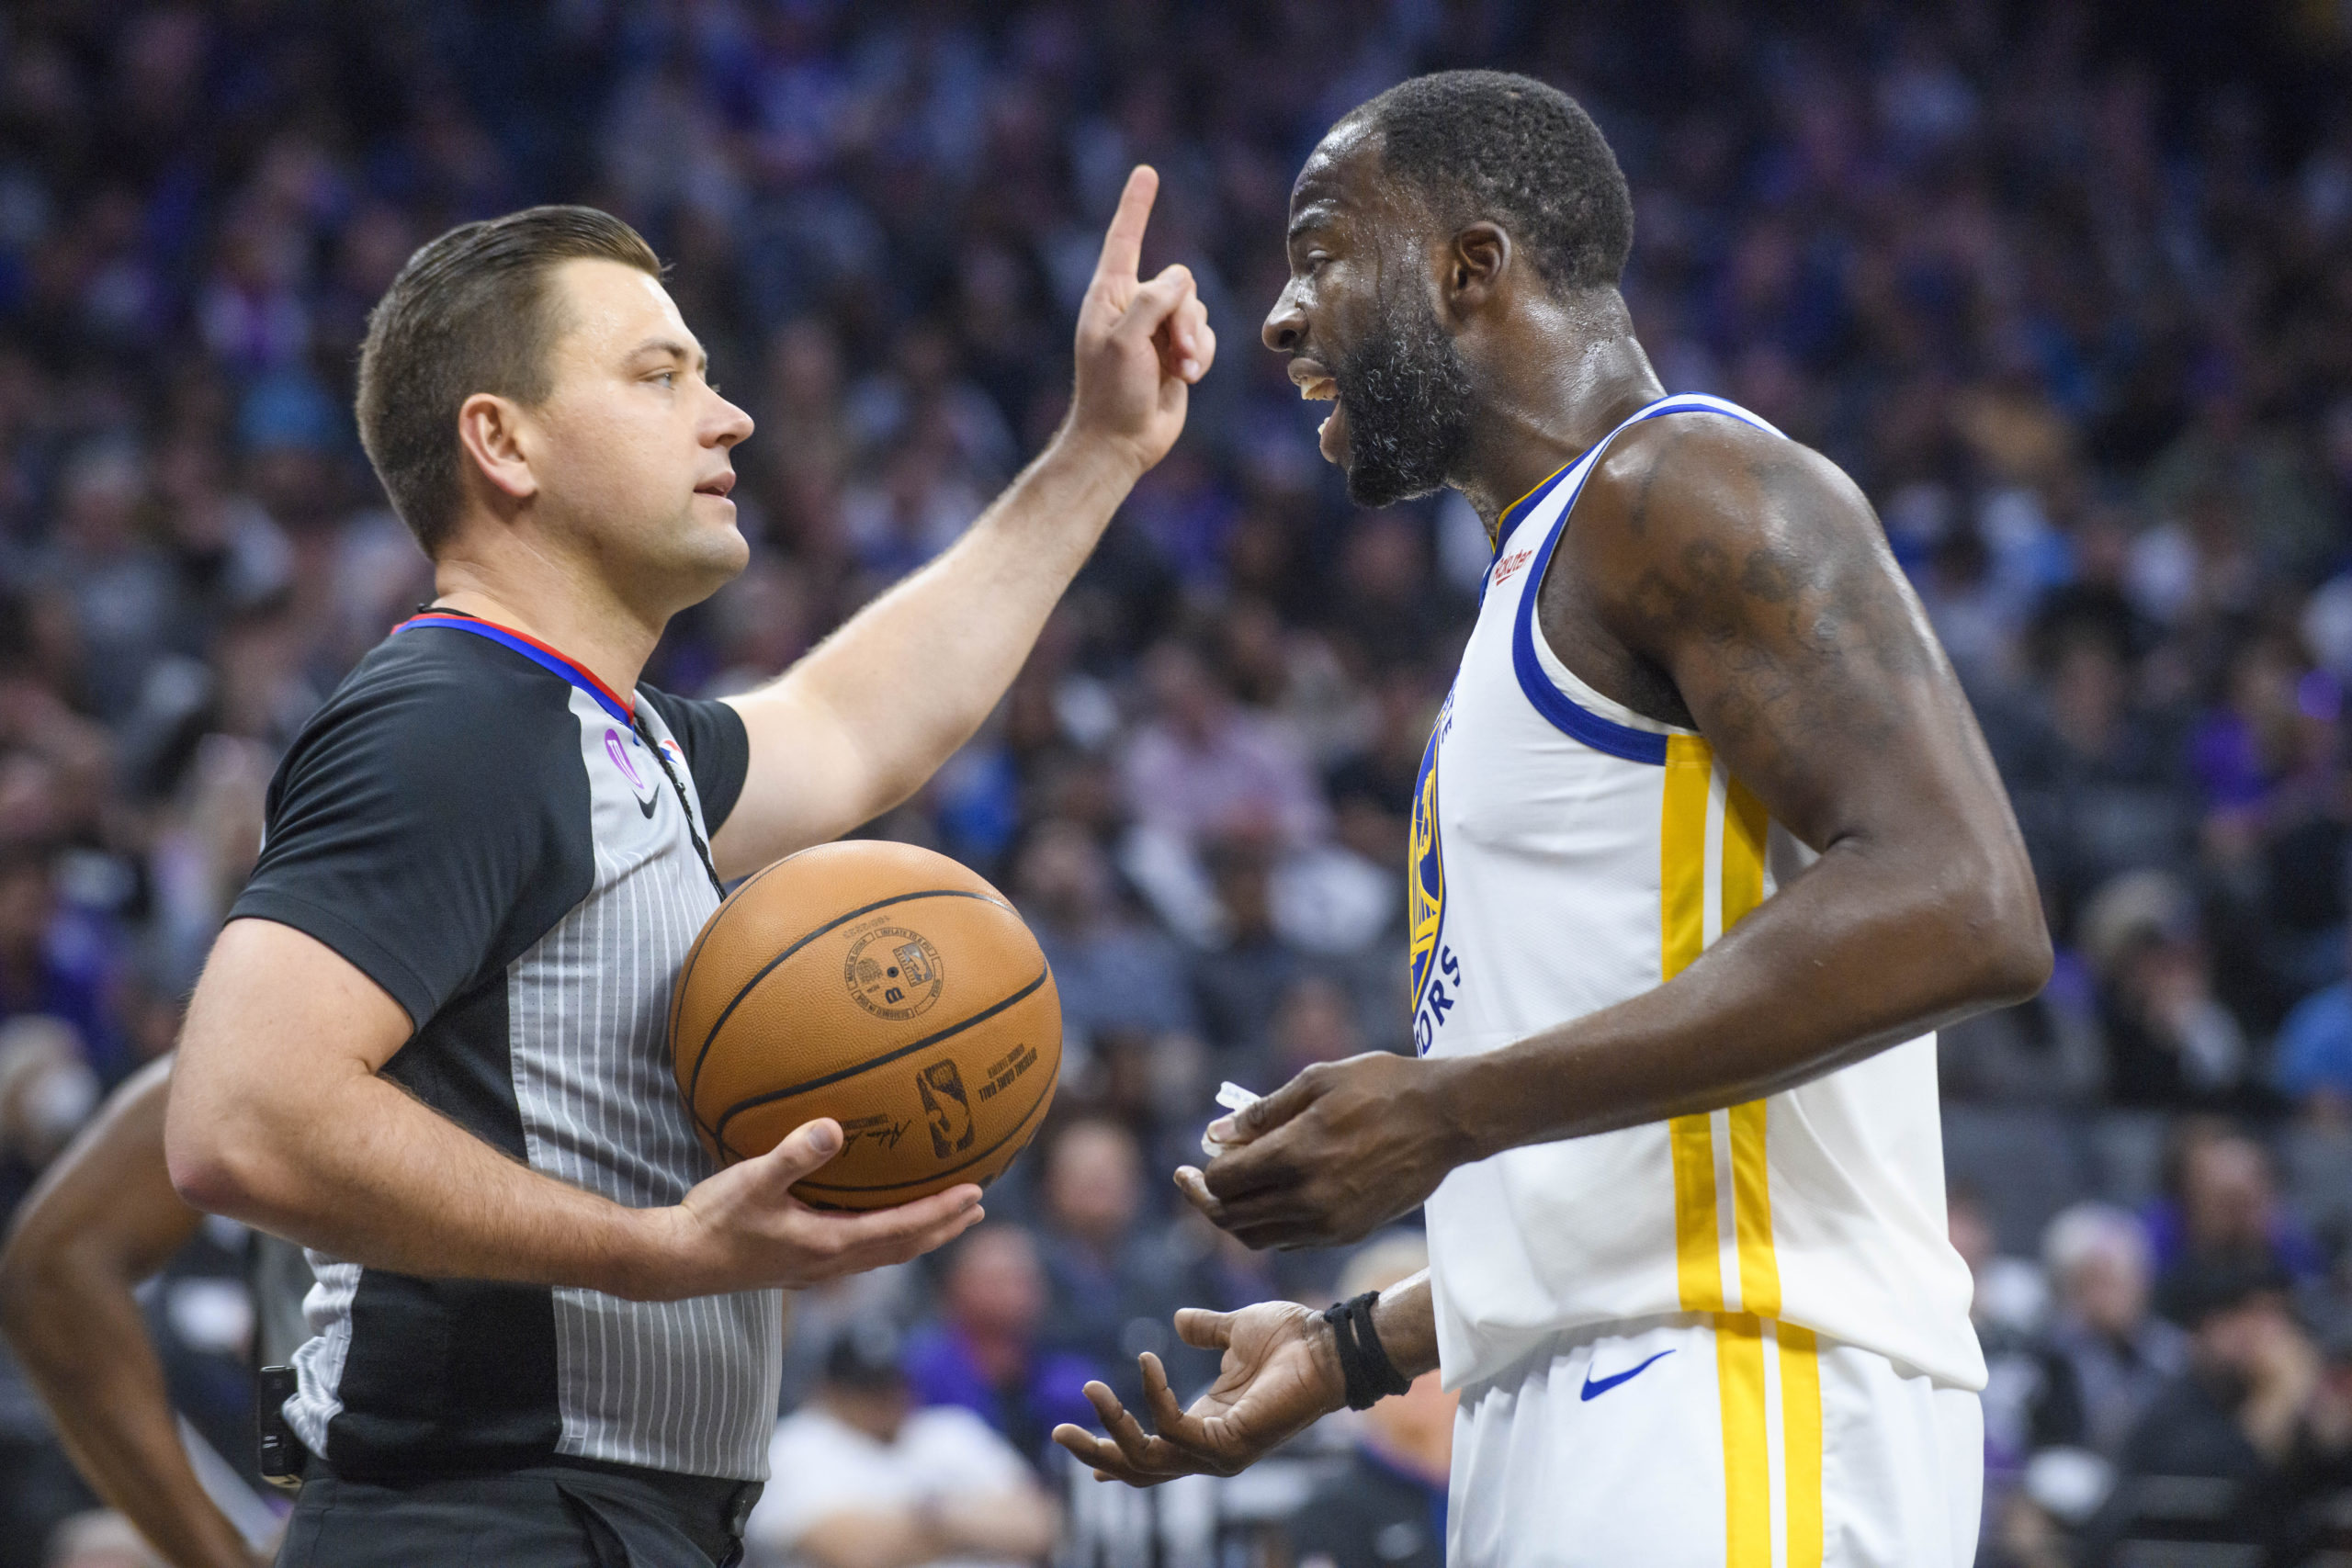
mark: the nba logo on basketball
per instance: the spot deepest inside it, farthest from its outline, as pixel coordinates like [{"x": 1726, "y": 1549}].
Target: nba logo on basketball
[{"x": 946, "y": 1108}]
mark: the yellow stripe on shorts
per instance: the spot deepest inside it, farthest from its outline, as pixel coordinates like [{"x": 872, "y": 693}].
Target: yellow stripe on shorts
[{"x": 1801, "y": 1443}]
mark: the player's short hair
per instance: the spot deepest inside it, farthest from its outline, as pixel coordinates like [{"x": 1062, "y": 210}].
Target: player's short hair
[
  {"x": 470, "y": 312},
  {"x": 1489, "y": 144}
]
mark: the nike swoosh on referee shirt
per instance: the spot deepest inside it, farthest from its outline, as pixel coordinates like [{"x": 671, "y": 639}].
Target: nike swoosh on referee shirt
[{"x": 1594, "y": 1390}]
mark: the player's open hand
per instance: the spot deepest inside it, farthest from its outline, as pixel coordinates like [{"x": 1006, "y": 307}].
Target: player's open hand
[
  {"x": 1280, "y": 1376},
  {"x": 1140, "y": 346},
  {"x": 1338, "y": 1152},
  {"x": 743, "y": 1229}
]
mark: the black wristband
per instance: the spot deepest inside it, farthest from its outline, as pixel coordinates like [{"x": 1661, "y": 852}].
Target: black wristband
[{"x": 1365, "y": 1365}]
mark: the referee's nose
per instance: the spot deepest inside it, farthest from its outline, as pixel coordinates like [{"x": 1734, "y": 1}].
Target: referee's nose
[{"x": 727, "y": 423}]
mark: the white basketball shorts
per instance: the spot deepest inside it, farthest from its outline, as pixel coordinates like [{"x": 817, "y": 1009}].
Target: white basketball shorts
[{"x": 1713, "y": 1440}]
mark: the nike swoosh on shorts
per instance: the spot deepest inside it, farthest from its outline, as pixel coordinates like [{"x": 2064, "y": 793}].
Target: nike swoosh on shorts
[{"x": 1595, "y": 1390}]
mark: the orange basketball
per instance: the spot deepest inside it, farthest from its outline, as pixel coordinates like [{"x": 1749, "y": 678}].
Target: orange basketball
[{"x": 881, "y": 984}]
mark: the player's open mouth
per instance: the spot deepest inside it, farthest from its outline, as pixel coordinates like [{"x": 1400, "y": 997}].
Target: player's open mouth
[{"x": 1318, "y": 385}]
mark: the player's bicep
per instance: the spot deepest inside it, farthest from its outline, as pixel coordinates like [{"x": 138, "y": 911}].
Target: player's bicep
[{"x": 1766, "y": 593}]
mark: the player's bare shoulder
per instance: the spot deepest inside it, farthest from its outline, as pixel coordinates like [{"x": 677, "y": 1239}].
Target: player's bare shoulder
[{"x": 1741, "y": 584}]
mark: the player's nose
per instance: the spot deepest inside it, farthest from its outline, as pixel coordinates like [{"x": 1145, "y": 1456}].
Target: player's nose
[{"x": 1285, "y": 325}]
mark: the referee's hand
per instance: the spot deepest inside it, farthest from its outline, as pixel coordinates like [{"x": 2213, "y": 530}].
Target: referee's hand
[{"x": 743, "y": 1230}]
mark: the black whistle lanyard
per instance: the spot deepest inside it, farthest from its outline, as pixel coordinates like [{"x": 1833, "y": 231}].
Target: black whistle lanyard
[{"x": 701, "y": 849}]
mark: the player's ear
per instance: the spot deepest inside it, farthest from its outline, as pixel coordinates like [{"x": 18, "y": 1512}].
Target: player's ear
[
  {"x": 1475, "y": 264},
  {"x": 491, "y": 442}
]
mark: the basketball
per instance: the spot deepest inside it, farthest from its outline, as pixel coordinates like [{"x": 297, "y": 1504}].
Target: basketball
[{"x": 881, "y": 984}]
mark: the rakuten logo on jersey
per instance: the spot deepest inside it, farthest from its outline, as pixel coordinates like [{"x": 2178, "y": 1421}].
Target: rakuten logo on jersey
[{"x": 1511, "y": 563}]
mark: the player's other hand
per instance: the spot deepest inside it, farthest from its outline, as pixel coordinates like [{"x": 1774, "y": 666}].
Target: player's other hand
[
  {"x": 1338, "y": 1152},
  {"x": 743, "y": 1229},
  {"x": 1280, "y": 1376},
  {"x": 1140, "y": 346}
]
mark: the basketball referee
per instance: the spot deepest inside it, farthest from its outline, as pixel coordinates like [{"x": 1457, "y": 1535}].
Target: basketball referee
[{"x": 430, "y": 1044}]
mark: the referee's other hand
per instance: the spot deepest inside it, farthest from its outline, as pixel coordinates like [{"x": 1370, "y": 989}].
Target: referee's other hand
[{"x": 743, "y": 1229}]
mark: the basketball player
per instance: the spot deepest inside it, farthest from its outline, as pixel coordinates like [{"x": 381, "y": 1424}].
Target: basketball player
[
  {"x": 1707, "y": 844},
  {"x": 102, "y": 1221},
  {"x": 430, "y": 1044}
]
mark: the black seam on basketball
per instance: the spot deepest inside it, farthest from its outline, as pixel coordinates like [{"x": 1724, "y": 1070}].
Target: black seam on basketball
[
  {"x": 1036, "y": 1106},
  {"x": 685, "y": 970},
  {"x": 693, "y": 1078},
  {"x": 884, "y": 1060}
]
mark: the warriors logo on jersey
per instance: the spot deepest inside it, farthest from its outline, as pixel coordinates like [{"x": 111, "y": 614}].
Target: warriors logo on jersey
[{"x": 1434, "y": 966}]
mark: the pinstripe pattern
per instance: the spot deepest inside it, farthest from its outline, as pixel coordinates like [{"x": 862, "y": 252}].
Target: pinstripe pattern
[{"x": 688, "y": 1385}]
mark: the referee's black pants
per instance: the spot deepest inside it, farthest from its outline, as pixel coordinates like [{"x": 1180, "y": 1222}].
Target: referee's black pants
[{"x": 565, "y": 1515}]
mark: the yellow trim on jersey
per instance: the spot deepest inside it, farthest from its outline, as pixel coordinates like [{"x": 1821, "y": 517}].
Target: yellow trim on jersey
[
  {"x": 1701, "y": 802},
  {"x": 1682, "y": 901},
  {"x": 1698, "y": 1236},
  {"x": 1751, "y": 1212}
]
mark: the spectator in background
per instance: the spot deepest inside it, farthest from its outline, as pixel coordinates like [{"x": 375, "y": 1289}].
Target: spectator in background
[
  {"x": 119, "y": 586},
  {"x": 2106, "y": 1357},
  {"x": 860, "y": 1478},
  {"x": 2237, "y": 1415},
  {"x": 2312, "y": 1060},
  {"x": 1096, "y": 1255},
  {"x": 986, "y": 1351},
  {"x": 1239, "y": 985},
  {"x": 1206, "y": 766},
  {"x": 1386, "y": 1509},
  {"x": 2170, "y": 1042},
  {"x": 1112, "y": 973},
  {"x": 1372, "y": 788},
  {"x": 2222, "y": 1208},
  {"x": 56, "y": 963}
]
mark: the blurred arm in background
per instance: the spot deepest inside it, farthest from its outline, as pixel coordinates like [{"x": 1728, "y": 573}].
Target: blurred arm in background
[{"x": 103, "y": 1219}]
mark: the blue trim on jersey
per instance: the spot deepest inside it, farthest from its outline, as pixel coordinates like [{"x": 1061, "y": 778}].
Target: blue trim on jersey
[
  {"x": 544, "y": 658},
  {"x": 1516, "y": 512},
  {"x": 1564, "y": 713}
]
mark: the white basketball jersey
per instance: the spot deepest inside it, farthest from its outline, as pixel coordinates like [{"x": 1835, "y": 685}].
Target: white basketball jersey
[{"x": 1567, "y": 855}]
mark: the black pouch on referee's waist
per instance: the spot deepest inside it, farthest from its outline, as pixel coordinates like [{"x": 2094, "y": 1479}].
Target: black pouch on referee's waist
[{"x": 280, "y": 1455}]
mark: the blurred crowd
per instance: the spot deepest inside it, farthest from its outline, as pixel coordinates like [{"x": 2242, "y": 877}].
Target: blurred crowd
[{"x": 2066, "y": 286}]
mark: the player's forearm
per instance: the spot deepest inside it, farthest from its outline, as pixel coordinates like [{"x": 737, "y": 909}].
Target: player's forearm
[
  {"x": 77, "y": 1332},
  {"x": 911, "y": 676},
  {"x": 362, "y": 1171},
  {"x": 1406, "y": 1319},
  {"x": 1861, "y": 952}
]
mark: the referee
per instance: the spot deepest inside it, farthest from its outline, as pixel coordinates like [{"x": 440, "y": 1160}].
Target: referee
[{"x": 429, "y": 1045}]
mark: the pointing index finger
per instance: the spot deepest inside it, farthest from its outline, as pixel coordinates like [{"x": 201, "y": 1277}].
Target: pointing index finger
[{"x": 1123, "y": 243}]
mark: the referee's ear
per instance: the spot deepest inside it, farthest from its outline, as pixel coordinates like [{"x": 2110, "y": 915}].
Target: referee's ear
[{"x": 496, "y": 436}]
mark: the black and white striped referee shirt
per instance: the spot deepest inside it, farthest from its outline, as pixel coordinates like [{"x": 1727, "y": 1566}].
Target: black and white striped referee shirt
[{"x": 477, "y": 824}]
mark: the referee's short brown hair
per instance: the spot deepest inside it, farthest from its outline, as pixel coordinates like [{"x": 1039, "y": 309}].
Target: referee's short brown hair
[{"x": 470, "y": 312}]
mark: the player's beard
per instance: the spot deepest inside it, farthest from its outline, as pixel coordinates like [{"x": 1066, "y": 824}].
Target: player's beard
[{"x": 1407, "y": 394}]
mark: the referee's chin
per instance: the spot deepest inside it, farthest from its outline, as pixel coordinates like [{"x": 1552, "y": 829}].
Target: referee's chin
[{"x": 699, "y": 554}]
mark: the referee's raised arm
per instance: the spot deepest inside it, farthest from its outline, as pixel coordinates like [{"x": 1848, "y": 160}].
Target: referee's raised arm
[{"x": 860, "y": 723}]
